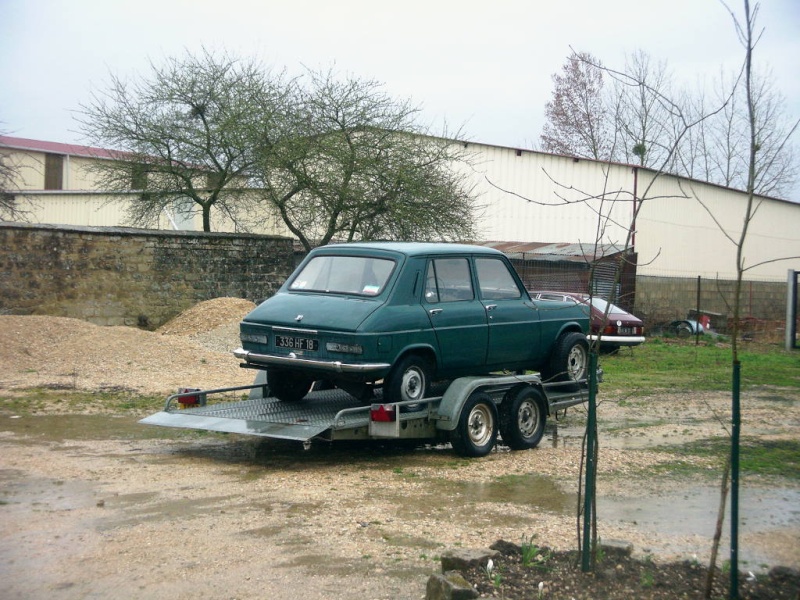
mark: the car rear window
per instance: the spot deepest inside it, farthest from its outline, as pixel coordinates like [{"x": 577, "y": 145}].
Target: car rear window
[
  {"x": 601, "y": 305},
  {"x": 360, "y": 275}
]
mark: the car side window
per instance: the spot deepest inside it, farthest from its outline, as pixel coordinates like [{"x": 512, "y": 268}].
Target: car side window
[
  {"x": 495, "y": 280},
  {"x": 448, "y": 280}
]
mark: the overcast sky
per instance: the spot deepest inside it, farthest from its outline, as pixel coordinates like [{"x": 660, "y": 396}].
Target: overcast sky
[{"x": 484, "y": 66}]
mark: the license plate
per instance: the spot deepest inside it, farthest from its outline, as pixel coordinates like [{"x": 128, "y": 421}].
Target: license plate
[
  {"x": 625, "y": 330},
  {"x": 296, "y": 343}
]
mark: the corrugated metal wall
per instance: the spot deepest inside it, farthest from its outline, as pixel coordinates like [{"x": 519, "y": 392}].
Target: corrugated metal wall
[
  {"x": 697, "y": 235},
  {"x": 527, "y": 196},
  {"x": 531, "y": 197}
]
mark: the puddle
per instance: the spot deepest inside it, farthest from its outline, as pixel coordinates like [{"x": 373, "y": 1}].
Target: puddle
[
  {"x": 58, "y": 428},
  {"x": 138, "y": 508},
  {"x": 44, "y": 494},
  {"x": 694, "y": 512},
  {"x": 527, "y": 490},
  {"x": 688, "y": 514}
]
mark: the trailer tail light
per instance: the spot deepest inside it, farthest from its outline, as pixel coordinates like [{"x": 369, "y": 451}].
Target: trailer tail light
[
  {"x": 187, "y": 398},
  {"x": 383, "y": 413},
  {"x": 384, "y": 421}
]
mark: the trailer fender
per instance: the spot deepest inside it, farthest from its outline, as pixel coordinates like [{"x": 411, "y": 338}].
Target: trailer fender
[{"x": 457, "y": 393}]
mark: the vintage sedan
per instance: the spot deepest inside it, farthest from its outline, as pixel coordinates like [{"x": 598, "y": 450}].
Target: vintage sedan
[
  {"x": 395, "y": 316},
  {"x": 610, "y": 324}
]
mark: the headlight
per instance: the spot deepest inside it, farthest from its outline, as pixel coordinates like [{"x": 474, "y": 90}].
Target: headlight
[{"x": 345, "y": 348}]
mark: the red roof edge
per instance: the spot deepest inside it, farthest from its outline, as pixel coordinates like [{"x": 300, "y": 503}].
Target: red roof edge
[{"x": 57, "y": 148}]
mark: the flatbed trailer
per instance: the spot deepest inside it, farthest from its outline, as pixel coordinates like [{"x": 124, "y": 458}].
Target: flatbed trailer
[{"x": 470, "y": 413}]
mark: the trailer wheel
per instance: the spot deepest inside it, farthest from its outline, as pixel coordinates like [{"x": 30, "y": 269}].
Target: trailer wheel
[
  {"x": 409, "y": 380},
  {"x": 522, "y": 418},
  {"x": 570, "y": 359},
  {"x": 288, "y": 386},
  {"x": 476, "y": 431}
]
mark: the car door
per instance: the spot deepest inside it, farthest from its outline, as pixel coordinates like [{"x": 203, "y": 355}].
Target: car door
[
  {"x": 513, "y": 320},
  {"x": 456, "y": 315}
]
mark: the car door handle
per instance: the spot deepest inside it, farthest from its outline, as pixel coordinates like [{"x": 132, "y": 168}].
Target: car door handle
[
  {"x": 435, "y": 311},
  {"x": 491, "y": 307}
]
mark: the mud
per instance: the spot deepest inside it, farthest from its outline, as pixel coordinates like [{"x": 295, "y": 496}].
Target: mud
[{"x": 97, "y": 505}]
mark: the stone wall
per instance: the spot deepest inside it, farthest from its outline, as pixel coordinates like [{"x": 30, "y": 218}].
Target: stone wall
[
  {"x": 125, "y": 276},
  {"x": 662, "y": 299}
]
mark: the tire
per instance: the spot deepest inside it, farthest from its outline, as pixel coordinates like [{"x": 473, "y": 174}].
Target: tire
[
  {"x": 523, "y": 416},
  {"x": 570, "y": 359},
  {"x": 683, "y": 330},
  {"x": 476, "y": 431},
  {"x": 409, "y": 380},
  {"x": 288, "y": 386}
]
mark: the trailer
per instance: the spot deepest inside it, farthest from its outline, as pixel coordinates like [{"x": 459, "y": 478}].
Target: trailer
[{"x": 470, "y": 413}]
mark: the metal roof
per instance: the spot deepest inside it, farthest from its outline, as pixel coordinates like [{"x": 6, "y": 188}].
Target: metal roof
[{"x": 554, "y": 252}]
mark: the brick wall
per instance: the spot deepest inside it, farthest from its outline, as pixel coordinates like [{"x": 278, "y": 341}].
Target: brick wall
[{"x": 123, "y": 276}]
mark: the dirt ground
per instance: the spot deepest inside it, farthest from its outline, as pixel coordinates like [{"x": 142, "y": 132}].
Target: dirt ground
[{"x": 93, "y": 504}]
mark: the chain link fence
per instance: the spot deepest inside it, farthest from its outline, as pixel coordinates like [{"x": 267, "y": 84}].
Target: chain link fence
[{"x": 660, "y": 298}]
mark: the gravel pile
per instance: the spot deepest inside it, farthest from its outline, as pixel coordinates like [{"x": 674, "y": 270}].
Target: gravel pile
[{"x": 192, "y": 350}]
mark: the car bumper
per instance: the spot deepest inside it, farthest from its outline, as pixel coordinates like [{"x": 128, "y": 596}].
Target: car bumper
[
  {"x": 292, "y": 361},
  {"x": 618, "y": 340}
]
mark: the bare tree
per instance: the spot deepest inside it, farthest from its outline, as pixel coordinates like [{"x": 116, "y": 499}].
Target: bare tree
[
  {"x": 9, "y": 185},
  {"x": 649, "y": 119},
  {"x": 188, "y": 135},
  {"x": 758, "y": 159},
  {"x": 644, "y": 111},
  {"x": 358, "y": 166},
  {"x": 577, "y": 117},
  {"x": 720, "y": 158},
  {"x": 594, "y": 114}
]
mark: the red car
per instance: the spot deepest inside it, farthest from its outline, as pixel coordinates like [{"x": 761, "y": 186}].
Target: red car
[{"x": 616, "y": 329}]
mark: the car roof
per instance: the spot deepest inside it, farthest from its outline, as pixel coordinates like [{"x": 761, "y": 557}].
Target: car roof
[{"x": 413, "y": 248}]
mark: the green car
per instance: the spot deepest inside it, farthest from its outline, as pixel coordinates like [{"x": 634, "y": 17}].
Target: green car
[{"x": 396, "y": 316}]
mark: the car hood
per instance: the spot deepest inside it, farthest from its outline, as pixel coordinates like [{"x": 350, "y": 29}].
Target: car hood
[{"x": 313, "y": 311}]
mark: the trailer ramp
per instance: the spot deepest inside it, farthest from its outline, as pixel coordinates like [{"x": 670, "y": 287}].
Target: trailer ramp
[{"x": 267, "y": 417}]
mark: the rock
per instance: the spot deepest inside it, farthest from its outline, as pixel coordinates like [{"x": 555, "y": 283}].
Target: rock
[
  {"x": 785, "y": 574},
  {"x": 504, "y": 547},
  {"x": 464, "y": 559},
  {"x": 616, "y": 548},
  {"x": 449, "y": 586}
]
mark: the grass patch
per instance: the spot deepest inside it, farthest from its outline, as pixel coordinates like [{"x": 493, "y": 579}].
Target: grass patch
[
  {"x": 39, "y": 400},
  {"x": 770, "y": 458},
  {"x": 662, "y": 364}
]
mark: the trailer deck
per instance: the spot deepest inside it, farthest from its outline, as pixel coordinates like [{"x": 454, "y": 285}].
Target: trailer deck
[{"x": 334, "y": 414}]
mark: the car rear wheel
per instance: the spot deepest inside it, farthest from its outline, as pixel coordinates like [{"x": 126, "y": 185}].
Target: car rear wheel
[
  {"x": 522, "y": 418},
  {"x": 570, "y": 359},
  {"x": 476, "y": 431},
  {"x": 288, "y": 386},
  {"x": 408, "y": 381}
]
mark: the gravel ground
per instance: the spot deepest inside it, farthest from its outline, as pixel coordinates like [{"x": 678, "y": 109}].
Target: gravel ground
[{"x": 95, "y": 505}]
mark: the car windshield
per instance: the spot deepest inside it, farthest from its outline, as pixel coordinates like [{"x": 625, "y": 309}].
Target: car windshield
[{"x": 361, "y": 275}]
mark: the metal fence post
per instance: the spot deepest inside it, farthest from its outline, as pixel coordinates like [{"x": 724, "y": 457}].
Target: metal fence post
[
  {"x": 589, "y": 477},
  {"x": 791, "y": 310}
]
